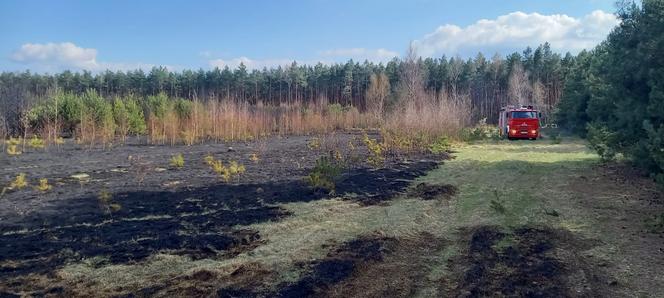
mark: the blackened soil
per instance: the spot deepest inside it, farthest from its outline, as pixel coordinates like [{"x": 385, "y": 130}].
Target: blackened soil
[
  {"x": 521, "y": 263},
  {"x": 369, "y": 266},
  {"x": 339, "y": 265},
  {"x": 197, "y": 219},
  {"x": 322, "y": 275},
  {"x": 430, "y": 192},
  {"x": 373, "y": 186}
]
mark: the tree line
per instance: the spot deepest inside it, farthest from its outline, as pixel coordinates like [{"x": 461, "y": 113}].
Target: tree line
[
  {"x": 532, "y": 76},
  {"x": 614, "y": 95}
]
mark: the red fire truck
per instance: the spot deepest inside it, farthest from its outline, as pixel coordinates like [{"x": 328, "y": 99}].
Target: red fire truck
[{"x": 519, "y": 122}]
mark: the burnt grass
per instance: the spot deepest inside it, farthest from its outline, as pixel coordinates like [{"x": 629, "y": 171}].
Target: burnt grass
[
  {"x": 321, "y": 275},
  {"x": 339, "y": 265},
  {"x": 428, "y": 191},
  {"x": 518, "y": 263},
  {"x": 197, "y": 220}
]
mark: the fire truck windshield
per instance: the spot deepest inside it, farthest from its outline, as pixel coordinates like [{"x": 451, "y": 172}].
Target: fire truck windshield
[{"x": 524, "y": 114}]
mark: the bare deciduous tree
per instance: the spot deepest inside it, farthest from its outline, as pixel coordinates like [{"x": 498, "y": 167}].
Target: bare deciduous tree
[
  {"x": 456, "y": 67},
  {"x": 412, "y": 80},
  {"x": 25, "y": 126},
  {"x": 377, "y": 93},
  {"x": 520, "y": 90}
]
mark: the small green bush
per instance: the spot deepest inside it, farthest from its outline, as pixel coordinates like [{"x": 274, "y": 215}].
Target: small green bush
[
  {"x": 70, "y": 110},
  {"x": 41, "y": 114},
  {"x": 36, "y": 143},
  {"x": 479, "y": 132},
  {"x": 325, "y": 174},
  {"x": 177, "y": 161},
  {"x": 183, "y": 108},
  {"x": 602, "y": 140},
  {"x": 135, "y": 116},
  {"x": 121, "y": 116},
  {"x": 158, "y": 105},
  {"x": 376, "y": 151},
  {"x": 440, "y": 145},
  {"x": 497, "y": 206},
  {"x": 335, "y": 109}
]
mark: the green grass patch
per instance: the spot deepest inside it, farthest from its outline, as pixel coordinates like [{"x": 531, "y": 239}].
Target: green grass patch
[{"x": 507, "y": 183}]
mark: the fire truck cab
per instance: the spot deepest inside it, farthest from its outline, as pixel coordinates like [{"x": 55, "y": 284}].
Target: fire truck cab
[{"x": 519, "y": 122}]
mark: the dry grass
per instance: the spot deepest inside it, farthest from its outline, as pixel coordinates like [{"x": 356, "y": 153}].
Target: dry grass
[
  {"x": 229, "y": 120},
  {"x": 177, "y": 121},
  {"x": 433, "y": 116}
]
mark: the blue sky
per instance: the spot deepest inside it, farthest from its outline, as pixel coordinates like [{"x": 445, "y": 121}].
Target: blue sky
[{"x": 95, "y": 35}]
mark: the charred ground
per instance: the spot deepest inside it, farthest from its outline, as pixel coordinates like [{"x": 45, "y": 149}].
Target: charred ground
[
  {"x": 410, "y": 228},
  {"x": 198, "y": 219}
]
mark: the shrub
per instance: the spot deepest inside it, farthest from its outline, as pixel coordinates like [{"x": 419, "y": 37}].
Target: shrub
[
  {"x": 481, "y": 131},
  {"x": 376, "y": 151},
  {"x": 12, "y": 146},
  {"x": 121, "y": 116},
  {"x": 177, "y": 161},
  {"x": 41, "y": 114},
  {"x": 135, "y": 117},
  {"x": 183, "y": 108},
  {"x": 226, "y": 173},
  {"x": 13, "y": 150},
  {"x": 440, "y": 145},
  {"x": 36, "y": 143},
  {"x": 43, "y": 185},
  {"x": 71, "y": 110},
  {"x": 106, "y": 202},
  {"x": 497, "y": 206},
  {"x": 209, "y": 159},
  {"x": 325, "y": 174},
  {"x": 314, "y": 144},
  {"x": 19, "y": 182},
  {"x": 158, "y": 105},
  {"x": 221, "y": 170},
  {"x": 335, "y": 109},
  {"x": 236, "y": 169},
  {"x": 602, "y": 140},
  {"x": 13, "y": 141},
  {"x": 67, "y": 108},
  {"x": 100, "y": 112},
  {"x": 254, "y": 157}
]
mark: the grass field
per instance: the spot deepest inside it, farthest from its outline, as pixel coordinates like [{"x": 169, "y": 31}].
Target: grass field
[{"x": 517, "y": 221}]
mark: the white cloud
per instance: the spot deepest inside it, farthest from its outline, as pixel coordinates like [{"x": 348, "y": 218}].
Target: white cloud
[
  {"x": 361, "y": 54},
  {"x": 57, "y": 54},
  {"x": 518, "y": 30},
  {"x": 67, "y": 55}
]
